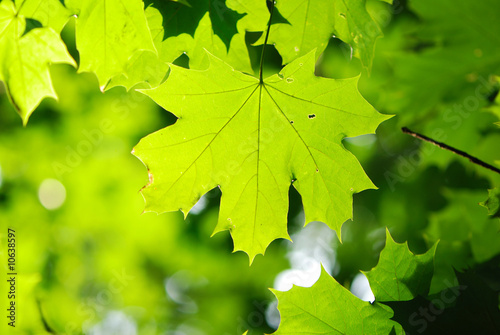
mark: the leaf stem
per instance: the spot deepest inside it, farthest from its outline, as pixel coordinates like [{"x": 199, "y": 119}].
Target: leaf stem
[
  {"x": 20, "y": 6},
  {"x": 449, "y": 148},
  {"x": 270, "y": 5}
]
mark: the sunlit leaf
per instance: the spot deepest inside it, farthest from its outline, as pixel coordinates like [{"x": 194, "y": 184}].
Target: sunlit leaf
[
  {"x": 192, "y": 30},
  {"x": 108, "y": 34},
  {"x": 254, "y": 140},
  {"x": 311, "y": 23},
  {"x": 49, "y": 13},
  {"x": 25, "y": 60},
  {"x": 308, "y": 25}
]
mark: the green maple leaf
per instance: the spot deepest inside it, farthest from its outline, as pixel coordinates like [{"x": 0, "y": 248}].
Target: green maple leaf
[
  {"x": 25, "y": 60},
  {"x": 400, "y": 275},
  {"x": 328, "y": 308},
  {"x": 253, "y": 139},
  {"x": 108, "y": 34},
  {"x": 203, "y": 25},
  {"x": 311, "y": 23}
]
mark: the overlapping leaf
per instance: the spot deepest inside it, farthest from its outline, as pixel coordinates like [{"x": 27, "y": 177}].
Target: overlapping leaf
[
  {"x": 328, "y": 308},
  {"x": 108, "y": 34},
  {"x": 253, "y": 140},
  {"x": 399, "y": 274},
  {"x": 256, "y": 14},
  {"x": 25, "y": 60},
  {"x": 49, "y": 13},
  {"x": 191, "y": 29},
  {"x": 311, "y": 23}
]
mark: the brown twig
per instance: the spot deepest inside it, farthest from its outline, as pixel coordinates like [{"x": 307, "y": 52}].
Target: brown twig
[{"x": 447, "y": 147}]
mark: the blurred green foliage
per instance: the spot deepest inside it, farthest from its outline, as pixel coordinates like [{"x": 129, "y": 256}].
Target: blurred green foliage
[{"x": 95, "y": 264}]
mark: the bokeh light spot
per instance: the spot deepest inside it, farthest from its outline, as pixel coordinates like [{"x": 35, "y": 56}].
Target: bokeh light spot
[
  {"x": 199, "y": 206},
  {"x": 51, "y": 194}
]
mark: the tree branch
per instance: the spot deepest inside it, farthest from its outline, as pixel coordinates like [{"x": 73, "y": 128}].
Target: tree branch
[{"x": 449, "y": 148}]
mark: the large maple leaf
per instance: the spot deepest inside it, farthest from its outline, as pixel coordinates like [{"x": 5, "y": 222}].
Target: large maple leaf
[{"x": 253, "y": 138}]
